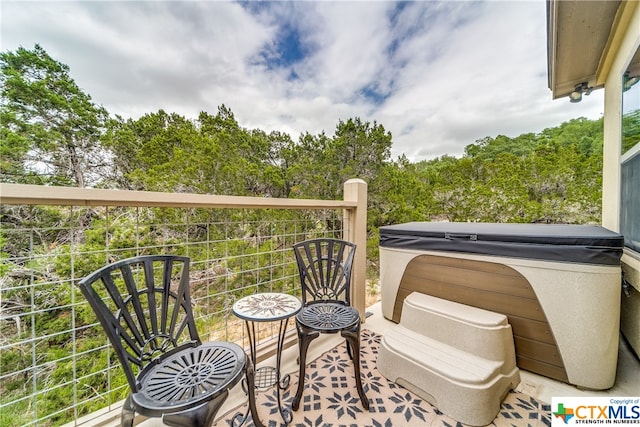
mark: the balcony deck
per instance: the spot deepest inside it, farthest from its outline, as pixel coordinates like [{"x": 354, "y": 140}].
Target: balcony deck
[
  {"x": 225, "y": 254},
  {"x": 539, "y": 387}
]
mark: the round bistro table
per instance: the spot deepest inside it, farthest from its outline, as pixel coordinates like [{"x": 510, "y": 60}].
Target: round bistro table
[{"x": 268, "y": 307}]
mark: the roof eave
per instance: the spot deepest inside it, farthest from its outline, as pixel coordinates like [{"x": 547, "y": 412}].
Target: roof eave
[{"x": 578, "y": 36}]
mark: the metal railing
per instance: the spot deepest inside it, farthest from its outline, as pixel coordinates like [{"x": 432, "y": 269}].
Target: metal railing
[{"x": 55, "y": 362}]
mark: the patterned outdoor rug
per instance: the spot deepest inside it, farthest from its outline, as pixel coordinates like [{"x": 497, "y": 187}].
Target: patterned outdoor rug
[{"x": 331, "y": 400}]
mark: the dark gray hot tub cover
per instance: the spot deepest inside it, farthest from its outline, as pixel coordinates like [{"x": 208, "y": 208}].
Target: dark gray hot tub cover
[{"x": 584, "y": 244}]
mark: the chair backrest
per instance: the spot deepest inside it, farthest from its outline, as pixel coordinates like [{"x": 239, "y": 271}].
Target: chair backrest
[
  {"x": 144, "y": 307},
  {"x": 325, "y": 270}
]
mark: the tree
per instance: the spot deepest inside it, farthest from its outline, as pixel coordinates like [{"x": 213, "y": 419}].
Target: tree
[
  {"x": 309, "y": 172},
  {"x": 50, "y": 128},
  {"x": 360, "y": 149},
  {"x": 161, "y": 152},
  {"x": 630, "y": 130},
  {"x": 402, "y": 193},
  {"x": 276, "y": 159},
  {"x": 320, "y": 165}
]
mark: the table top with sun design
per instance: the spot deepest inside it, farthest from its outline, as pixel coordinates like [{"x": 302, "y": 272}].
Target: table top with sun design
[{"x": 266, "y": 307}]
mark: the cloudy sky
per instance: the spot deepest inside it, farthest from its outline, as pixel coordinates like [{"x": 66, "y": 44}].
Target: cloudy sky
[{"x": 437, "y": 75}]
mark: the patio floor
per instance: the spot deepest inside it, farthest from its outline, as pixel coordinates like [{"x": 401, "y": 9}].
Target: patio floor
[{"x": 540, "y": 388}]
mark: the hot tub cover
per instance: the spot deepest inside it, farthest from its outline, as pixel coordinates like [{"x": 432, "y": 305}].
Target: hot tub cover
[{"x": 584, "y": 244}]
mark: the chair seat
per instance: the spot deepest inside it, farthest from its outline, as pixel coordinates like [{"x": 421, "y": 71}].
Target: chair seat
[
  {"x": 190, "y": 377},
  {"x": 328, "y": 317}
]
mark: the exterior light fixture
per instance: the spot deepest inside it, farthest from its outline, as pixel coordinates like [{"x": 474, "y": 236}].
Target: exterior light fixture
[
  {"x": 581, "y": 88},
  {"x": 575, "y": 96}
]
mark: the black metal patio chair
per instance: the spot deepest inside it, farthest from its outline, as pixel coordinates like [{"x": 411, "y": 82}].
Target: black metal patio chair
[
  {"x": 325, "y": 275},
  {"x": 144, "y": 306}
]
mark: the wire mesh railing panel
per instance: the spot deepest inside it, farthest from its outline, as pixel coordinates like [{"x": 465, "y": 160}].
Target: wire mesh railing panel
[{"x": 56, "y": 365}]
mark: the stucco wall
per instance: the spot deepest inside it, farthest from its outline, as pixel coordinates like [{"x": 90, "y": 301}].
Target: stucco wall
[{"x": 622, "y": 52}]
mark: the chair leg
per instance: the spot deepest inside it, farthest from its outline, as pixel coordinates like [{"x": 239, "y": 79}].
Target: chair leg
[
  {"x": 304, "y": 339},
  {"x": 128, "y": 413},
  {"x": 349, "y": 350},
  {"x": 200, "y": 416},
  {"x": 353, "y": 338}
]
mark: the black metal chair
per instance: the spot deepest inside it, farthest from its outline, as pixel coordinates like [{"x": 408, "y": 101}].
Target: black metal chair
[
  {"x": 144, "y": 306},
  {"x": 325, "y": 275}
]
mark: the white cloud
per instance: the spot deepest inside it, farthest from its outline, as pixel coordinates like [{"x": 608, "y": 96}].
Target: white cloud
[{"x": 449, "y": 72}]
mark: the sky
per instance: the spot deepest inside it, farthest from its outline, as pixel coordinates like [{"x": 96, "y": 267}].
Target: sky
[{"x": 438, "y": 75}]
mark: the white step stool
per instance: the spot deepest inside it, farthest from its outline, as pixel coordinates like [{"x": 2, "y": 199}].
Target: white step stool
[{"x": 459, "y": 358}]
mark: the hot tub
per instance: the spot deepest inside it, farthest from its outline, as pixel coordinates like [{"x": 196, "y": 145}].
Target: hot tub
[{"x": 559, "y": 286}]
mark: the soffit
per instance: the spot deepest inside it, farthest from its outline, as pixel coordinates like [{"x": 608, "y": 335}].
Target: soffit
[{"x": 577, "y": 34}]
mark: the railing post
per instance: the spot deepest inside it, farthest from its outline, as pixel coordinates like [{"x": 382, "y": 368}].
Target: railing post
[{"x": 355, "y": 230}]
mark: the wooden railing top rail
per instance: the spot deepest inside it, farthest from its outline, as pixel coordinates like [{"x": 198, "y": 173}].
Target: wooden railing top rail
[{"x": 22, "y": 194}]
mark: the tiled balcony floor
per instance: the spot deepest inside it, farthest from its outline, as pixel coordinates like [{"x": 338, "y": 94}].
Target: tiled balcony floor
[{"x": 540, "y": 388}]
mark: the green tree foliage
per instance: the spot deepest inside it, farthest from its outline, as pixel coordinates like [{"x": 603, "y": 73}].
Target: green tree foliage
[
  {"x": 159, "y": 152},
  {"x": 50, "y": 127},
  {"x": 630, "y": 130},
  {"x": 309, "y": 173},
  {"x": 53, "y": 133},
  {"x": 404, "y": 194},
  {"x": 554, "y": 176},
  {"x": 319, "y": 164},
  {"x": 168, "y": 152}
]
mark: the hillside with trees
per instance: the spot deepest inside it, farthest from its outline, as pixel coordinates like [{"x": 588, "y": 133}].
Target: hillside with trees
[{"x": 53, "y": 133}]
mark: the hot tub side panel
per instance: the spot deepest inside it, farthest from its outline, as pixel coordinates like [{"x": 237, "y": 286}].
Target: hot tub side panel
[
  {"x": 582, "y": 305},
  {"x": 564, "y": 316},
  {"x": 491, "y": 286},
  {"x": 393, "y": 263}
]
